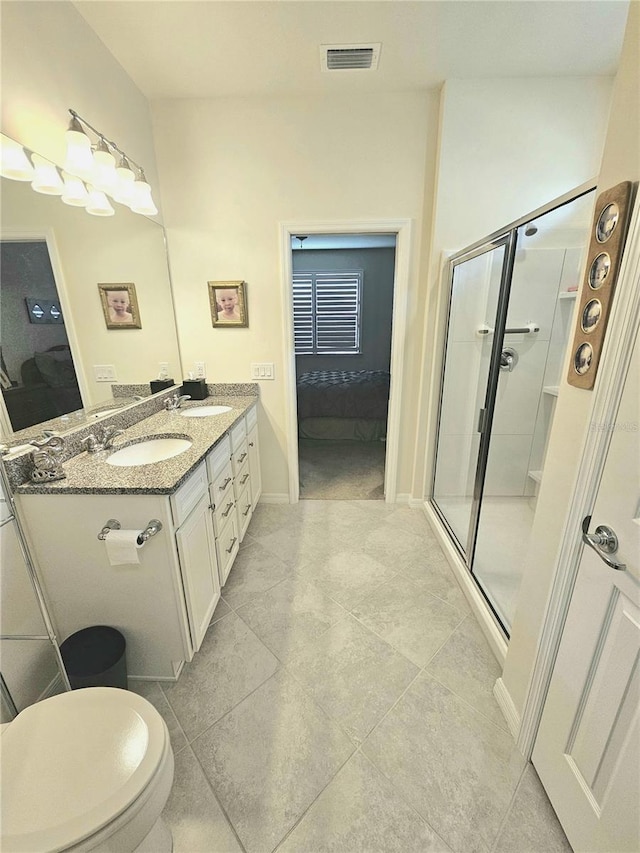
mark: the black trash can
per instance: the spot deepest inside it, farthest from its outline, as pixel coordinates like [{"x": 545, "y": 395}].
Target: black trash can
[{"x": 95, "y": 657}]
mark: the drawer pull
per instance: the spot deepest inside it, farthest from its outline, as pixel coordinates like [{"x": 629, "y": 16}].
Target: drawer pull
[
  {"x": 246, "y": 512},
  {"x": 233, "y": 542},
  {"x": 242, "y": 458},
  {"x": 225, "y": 484},
  {"x": 228, "y": 509},
  {"x": 244, "y": 479},
  {"x": 250, "y": 444}
]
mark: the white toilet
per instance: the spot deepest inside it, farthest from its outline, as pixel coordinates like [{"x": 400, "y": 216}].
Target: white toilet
[{"x": 86, "y": 770}]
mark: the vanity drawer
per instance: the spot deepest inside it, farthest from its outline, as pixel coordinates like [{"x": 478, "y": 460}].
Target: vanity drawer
[
  {"x": 188, "y": 495},
  {"x": 218, "y": 458},
  {"x": 243, "y": 505},
  {"x": 238, "y": 434},
  {"x": 251, "y": 418},
  {"x": 223, "y": 511},
  {"x": 241, "y": 480},
  {"x": 227, "y": 544},
  {"x": 240, "y": 456},
  {"x": 221, "y": 489}
]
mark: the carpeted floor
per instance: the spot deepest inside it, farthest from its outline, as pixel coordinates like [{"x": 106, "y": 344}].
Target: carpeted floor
[{"x": 341, "y": 470}]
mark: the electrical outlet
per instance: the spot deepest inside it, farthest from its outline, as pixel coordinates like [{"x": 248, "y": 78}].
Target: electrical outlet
[
  {"x": 104, "y": 373},
  {"x": 201, "y": 370},
  {"x": 263, "y": 370}
]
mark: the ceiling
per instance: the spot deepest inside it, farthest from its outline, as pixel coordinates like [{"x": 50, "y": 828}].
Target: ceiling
[{"x": 218, "y": 48}]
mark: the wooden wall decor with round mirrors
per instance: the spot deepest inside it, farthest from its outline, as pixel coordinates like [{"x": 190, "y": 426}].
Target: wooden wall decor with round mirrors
[{"x": 608, "y": 233}]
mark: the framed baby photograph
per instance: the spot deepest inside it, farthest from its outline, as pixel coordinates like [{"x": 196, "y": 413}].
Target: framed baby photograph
[
  {"x": 228, "y": 302},
  {"x": 120, "y": 306}
]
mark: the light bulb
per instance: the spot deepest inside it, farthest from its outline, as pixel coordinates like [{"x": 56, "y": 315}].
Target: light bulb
[
  {"x": 79, "y": 160},
  {"x": 75, "y": 193},
  {"x": 124, "y": 189},
  {"x": 104, "y": 168},
  {"x": 142, "y": 202},
  {"x": 14, "y": 163},
  {"x": 46, "y": 179},
  {"x": 98, "y": 203}
]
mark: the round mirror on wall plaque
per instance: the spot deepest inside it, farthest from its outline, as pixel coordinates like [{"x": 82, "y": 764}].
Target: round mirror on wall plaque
[
  {"x": 591, "y": 315},
  {"x": 582, "y": 359},
  {"x": 607, "y": 222},
  {"x": 599, "y": 270}
]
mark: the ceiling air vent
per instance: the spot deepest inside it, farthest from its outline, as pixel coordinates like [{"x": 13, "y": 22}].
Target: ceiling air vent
[{"x": 350, "y": 57}]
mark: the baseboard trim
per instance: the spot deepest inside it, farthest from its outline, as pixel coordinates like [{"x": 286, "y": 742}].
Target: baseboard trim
[
  {"x": 274, "y": 498},
  {"x": 509, "y": 711},
  {"x": 403, "y": 498},
  {"x": 416, "y": 503}
]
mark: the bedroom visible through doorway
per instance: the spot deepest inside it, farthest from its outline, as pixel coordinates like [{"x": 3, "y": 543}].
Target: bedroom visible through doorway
[{"x": 342, "y": 294}]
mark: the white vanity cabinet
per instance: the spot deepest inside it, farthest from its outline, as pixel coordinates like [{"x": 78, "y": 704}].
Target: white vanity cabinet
[
  {"x": 253, "y": 447},
  {"x": 162, "y": 604}
]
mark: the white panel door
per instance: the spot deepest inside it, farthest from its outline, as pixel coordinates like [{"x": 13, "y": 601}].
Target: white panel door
[{"x": 587, "y": 751}]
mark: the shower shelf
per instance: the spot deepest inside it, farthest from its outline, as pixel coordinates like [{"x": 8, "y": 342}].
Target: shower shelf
[
  {"x": 568, "y": 294},
  {"x": 551, "y": 389}
]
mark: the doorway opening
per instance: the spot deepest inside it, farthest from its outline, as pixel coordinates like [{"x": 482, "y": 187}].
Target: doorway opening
[
  {"x": 345, "y": 292},
  {"x": 342, "y": 312}
]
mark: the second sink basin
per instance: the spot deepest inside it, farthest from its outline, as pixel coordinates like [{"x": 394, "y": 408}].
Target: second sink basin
[
  {"x": 204, "y": 411},
  {"x": 149, "y": 451}
]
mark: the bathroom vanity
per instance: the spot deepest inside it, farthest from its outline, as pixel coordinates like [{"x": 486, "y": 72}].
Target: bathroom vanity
[{"x": 203, "y": 498}]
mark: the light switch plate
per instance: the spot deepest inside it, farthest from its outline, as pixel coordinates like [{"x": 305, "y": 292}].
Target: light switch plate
[
  {"x": 263, "y": 370},
  {"x": 104, "y": 373}
]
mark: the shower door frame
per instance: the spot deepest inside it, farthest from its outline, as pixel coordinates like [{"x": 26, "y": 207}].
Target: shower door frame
[{"x": 508, "y": 237}]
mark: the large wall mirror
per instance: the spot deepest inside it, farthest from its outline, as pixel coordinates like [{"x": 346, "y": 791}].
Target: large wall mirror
[{"x": 62, "y": 344}]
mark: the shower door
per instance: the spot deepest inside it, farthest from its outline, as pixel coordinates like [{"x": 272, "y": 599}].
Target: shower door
[{"x": 478, "y": 297}]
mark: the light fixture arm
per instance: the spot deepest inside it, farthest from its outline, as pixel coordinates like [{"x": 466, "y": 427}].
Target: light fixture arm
[{"x": 101, "y": 136}]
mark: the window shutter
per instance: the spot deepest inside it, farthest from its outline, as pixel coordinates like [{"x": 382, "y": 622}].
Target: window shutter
[{"x": 326, "y": 312}]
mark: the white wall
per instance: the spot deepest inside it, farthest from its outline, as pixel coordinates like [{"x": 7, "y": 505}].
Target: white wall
[
  {"x": 52, "y": 61},
  {"x": 232, "y": 169},
  {"x": 620, "y": 162}
]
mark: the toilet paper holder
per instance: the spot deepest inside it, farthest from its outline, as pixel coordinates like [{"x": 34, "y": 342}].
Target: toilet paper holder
[{"x": 153, "y": 527}]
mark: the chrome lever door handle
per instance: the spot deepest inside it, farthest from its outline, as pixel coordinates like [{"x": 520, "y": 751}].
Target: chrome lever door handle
[{"x": 604, "y": 542}]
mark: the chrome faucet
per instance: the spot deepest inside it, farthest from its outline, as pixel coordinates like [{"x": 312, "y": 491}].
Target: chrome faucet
[
  {"x": 171, "y": 404},
  {"x": 104, "y": 441}
]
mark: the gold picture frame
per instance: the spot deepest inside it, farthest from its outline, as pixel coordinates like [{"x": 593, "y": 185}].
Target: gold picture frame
[
  {"x": 228, "y": 303},
  {"x": 120, "y": 305}
]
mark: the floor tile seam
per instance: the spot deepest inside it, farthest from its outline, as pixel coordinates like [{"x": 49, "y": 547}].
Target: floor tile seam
[
  {"x": 305, "y": 646},
  {"x": 390, "y": 709},
  {"x": 175, "y": 717},
  {"x": 385, "y": 641},
  {"x": 504, "y": 730},
  {"x": 312, "y": 803},
  {"x": 435, "y": 594},
  {"x": 216, "y": 798},
  {"x": 261, "y": 592},
  {"x": 505, "y": 817},
  {"x": 350, "y": 609},
  {"x": 400, "y": 793},
  {"x": 229, "y": 710},
  {"x": 307, "y": 691},
  {"x": 401, "y": 796},
  {"x": 462, "y": 613}
]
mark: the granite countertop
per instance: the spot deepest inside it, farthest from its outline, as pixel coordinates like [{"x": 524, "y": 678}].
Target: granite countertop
[{"x": 89, "y": 473}]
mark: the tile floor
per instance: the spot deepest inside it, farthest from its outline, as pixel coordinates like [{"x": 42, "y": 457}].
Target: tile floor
[{"x": 342, "y": 701}]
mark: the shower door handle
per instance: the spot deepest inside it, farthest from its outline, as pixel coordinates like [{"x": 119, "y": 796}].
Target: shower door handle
[
  {"x": 482, "y": 418},
  {"x": 604, "y": 542}
]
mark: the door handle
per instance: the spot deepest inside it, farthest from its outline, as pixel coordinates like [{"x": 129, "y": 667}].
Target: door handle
[{"x": 604, "y": 542}]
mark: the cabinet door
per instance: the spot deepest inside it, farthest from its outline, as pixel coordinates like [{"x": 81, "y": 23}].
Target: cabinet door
[
  {"x": 228, "y": 542},
  {"x": 254, "y": 465},
  {"x": 196, "y": 547}
]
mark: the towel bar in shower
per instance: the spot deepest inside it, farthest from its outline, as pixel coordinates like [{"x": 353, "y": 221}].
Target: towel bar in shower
[{"x": 519, "y": 330}]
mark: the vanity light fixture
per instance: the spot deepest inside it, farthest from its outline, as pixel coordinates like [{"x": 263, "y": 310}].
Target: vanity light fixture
[{"x": 90, "y": 175}]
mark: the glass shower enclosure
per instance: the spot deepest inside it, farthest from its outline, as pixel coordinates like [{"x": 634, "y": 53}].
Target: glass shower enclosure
[{"x": 510, "y": 315}]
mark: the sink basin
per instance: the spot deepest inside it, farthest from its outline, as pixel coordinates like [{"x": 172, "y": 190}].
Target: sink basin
[
  {"x": 149, "y": 451},
  {"x": 204, "y": 411}
]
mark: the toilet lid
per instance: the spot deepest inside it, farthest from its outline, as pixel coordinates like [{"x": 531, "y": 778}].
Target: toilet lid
[{"x": 73, "y": 763}]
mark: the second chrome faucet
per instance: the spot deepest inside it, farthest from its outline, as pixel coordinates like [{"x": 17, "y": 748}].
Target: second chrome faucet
[{"x": 104, "y": 440}]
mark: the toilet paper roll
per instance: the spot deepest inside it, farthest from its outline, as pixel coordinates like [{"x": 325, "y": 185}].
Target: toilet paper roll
[{"x": 122, "y": 547}]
